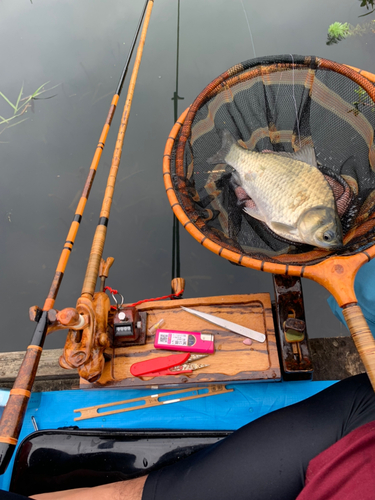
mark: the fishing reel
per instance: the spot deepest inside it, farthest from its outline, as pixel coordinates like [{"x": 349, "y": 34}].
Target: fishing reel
[{"x": 95, "y": 327}]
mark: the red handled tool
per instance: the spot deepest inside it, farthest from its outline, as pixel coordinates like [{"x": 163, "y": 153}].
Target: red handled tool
[{"x": 167, "y": 365}]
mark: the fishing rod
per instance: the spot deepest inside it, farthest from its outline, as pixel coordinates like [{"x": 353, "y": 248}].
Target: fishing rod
[
  {"x": 14, "y": 412},
  {"x": 177, "y": 284},
  {"x": 87, "y": 341},
  {"x": 96, "y": 252}
]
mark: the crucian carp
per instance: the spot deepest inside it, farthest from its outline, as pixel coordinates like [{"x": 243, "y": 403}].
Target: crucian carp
[{"x": 287, "y": 192}]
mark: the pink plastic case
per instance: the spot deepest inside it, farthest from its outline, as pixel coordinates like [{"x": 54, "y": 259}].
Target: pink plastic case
[{"x": 175, "y": 340}]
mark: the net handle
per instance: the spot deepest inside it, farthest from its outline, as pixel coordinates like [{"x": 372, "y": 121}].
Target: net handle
[{"x": 362, "y": 337}]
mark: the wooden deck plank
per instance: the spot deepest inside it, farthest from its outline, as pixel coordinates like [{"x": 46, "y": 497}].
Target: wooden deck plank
[
  {"x": 48, "y": 367},
  {"x": 333, "y": 358}
]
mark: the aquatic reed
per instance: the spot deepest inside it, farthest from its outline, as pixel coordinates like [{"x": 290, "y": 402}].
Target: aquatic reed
[{"x": 21, "y": 106}]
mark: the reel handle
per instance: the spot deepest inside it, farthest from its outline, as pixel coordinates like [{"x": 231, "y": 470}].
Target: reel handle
[
  {"x": 104, "y": 268},
  {"x": 177, "y": 285}
]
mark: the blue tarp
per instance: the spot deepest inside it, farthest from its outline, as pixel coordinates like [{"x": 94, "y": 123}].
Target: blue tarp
[{"x": 228, "y": 411}]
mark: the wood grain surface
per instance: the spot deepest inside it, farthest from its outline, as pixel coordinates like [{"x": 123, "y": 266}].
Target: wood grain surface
[{"x": 232, "y": 361}]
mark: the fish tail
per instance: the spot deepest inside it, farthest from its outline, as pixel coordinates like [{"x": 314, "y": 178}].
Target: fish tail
[{"x": 227, "y": 141}]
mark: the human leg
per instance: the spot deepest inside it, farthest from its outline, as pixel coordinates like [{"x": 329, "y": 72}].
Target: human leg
[{"x": 268, "y": 458}]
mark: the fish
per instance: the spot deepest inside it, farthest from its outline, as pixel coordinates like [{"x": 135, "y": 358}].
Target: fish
[{"x": 287, "y": 192}]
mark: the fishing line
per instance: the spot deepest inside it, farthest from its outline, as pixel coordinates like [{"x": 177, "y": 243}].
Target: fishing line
[
  {"x": 295, "y": 102},
  {"x": 277, "y": 95},
  {"x": 248, "y": 25}
]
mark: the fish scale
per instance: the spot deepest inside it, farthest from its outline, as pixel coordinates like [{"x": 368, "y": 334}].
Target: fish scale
[{"x": 276, "y": 181}]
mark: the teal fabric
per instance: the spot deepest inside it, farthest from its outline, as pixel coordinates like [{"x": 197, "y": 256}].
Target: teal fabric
[{"x": 364, "y": 287}]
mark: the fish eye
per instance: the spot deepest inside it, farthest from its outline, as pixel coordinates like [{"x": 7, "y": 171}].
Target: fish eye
[{"x": 328, "y": 236}]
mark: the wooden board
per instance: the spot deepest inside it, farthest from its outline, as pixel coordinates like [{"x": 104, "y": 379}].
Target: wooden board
[{"x": 232, "y": 361}]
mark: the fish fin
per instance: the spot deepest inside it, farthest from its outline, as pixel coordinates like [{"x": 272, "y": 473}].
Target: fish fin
[
  {"x": 305, "y": 154},
  {"x": 252, "y": 210},
  {"x": 227, "y": 141},
  {"x": 280, "y": 227}
]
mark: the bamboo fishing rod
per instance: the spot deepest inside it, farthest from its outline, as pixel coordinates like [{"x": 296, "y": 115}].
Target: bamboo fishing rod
[
  {"x": 14, "y": 412},
  {"x": 176, "y": 268}
]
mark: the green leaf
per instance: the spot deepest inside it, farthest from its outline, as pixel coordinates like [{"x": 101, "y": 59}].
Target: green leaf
[
  {"x": 18, "y": 100},
  {"x": 20, "y": 109},
  {"x": 42, "y": 92},
  {"x": 8, "y": 101},
  {"x": 28, "y": 99},
  {"x": 367, "y": 13},
  {"x": 7, "y": 120},
  {"x": 38, "y": 90}
]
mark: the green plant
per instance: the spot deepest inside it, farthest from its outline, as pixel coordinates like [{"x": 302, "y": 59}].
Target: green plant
[
  {"x": 367, "y": 3},
  {"x": 21, "y": 106},
  {"x": 336, "y": 32},
  {"x": 361, "y": 101}
]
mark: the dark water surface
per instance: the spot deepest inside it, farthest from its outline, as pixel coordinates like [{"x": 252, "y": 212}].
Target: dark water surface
[{"x": 80, "y": 47}]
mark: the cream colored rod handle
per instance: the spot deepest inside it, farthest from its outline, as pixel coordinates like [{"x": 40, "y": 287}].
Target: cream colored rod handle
[{"x": 362, "y": 337}]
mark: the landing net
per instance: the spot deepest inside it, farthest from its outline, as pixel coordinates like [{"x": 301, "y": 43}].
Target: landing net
[{"x": 279, "y": 104}]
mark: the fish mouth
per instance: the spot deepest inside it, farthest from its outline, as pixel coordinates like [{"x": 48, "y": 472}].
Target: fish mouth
[{"x": 335, "y": 246}]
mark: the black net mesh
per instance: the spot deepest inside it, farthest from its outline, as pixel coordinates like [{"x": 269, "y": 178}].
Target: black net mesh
[{"x": 280, "y": 105}]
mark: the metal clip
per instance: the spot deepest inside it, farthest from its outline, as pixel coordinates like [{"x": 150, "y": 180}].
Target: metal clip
[
  {"x": 118, "y": 305},
  {"x": 34, "y": 423}
]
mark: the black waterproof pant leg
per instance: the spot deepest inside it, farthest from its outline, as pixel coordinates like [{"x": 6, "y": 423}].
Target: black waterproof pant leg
[{"x": 267, "y": 459}]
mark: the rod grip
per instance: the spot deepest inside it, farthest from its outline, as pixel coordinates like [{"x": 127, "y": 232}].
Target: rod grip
[
  {"x": 362, "y": 337},
  {"x": 15, "y": 410},
  {"x": 93, "y": 265}
]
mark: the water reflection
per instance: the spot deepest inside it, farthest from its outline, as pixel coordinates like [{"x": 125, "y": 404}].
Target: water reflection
[{"x": 81, "y": 46}]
